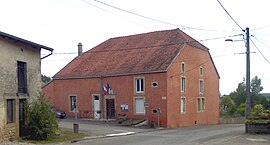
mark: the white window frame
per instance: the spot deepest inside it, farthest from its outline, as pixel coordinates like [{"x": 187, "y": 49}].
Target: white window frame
[
  {"x": 183, "y": 105},
  {"x": 183, "y": 67},
  {"x": 201, "y": 71},
  {"x": 201, "y": 104},
  {"x": 70, "y": 102},
  {"x": 183, "y": 84},
  {"x": 141, "y": 85},
  {"x": 201, "y": 86},
  {"x": 135, "y": 106}
]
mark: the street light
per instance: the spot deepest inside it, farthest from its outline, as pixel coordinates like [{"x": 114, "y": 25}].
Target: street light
[{"x": 247, "y": 112}]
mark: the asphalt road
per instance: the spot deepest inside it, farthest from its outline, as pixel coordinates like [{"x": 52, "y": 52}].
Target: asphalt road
[{"x": 232, "y": 134}]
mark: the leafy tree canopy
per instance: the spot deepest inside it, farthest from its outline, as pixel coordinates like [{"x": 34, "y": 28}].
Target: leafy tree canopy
[
  {"x": 45, "y": 78},
  {"x": 234, "y": 103}
]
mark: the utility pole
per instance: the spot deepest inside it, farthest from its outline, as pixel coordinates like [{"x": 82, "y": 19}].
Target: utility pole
[{"x": 247, "y": 113}]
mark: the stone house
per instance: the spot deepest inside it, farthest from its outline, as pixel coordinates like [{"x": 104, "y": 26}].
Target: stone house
[
  {"x": 20, "y": 78},
  {"x": 164, "y": 76}
]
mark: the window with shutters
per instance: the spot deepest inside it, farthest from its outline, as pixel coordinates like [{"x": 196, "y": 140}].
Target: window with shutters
[
  {"x": 10, "y": 110},
  {"x": 22, "y": 77},
  {"x": 139, "y": 105}
]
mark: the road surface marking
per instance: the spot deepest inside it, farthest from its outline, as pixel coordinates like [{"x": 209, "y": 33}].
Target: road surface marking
[{"x": 120, "y": 134}]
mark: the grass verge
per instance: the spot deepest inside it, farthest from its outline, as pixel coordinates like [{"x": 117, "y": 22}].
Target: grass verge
[{"x": 66, "y": 135}]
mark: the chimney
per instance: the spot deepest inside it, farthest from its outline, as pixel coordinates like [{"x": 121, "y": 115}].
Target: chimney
[{"x": 79, "y": 49}]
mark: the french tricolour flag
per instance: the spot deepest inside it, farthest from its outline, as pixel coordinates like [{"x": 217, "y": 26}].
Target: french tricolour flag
[
  {"x": 108, "y": 89},
  {"x": 105, "y": 90}
]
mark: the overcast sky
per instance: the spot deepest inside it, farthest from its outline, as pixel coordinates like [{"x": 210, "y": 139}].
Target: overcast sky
[{"x": 62, "y": 24}]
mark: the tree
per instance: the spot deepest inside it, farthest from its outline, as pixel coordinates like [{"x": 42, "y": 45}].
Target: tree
[
  {"x": 41, "y": 121},
  {"x": 239, "y": 96},
  {"x": 241, "y": 109},
  {"x": 255, "y": 86},
  {"x": 227, "y": 106},
  {"x": 45, "y": 78}
]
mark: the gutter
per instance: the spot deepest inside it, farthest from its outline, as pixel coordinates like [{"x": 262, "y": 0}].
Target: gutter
[
  {"x": 109, "y": 75},
  {"x": 47, "y": 55}
]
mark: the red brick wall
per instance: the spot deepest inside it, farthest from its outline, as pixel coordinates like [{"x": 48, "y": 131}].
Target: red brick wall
[
  {"x": 193, "y": 58},
  {"x": 166, "y": 96},
  {"x": 123, "y": 87}
]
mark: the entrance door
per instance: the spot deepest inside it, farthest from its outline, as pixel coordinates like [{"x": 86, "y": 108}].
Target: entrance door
[
  {"x": 110, "y": 108},
  {"x": 96, "y": 107},
  {"x": 22, "y": 117}
]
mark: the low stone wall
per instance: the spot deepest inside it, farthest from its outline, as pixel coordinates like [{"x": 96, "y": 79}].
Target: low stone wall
[
  {"x": 7, "y": 134},
  {"x": 258, "y": 128},
  {"x": 232, "y": 120}
]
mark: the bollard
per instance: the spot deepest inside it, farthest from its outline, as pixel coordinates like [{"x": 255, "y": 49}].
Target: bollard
[
  {"x": 153, "y": 124},
  {"x": 75, "y": 127},
  {"x": 75, "y": 124}
]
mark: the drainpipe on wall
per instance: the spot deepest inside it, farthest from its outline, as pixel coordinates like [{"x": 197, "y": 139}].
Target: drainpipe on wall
[{"x": 101, "y": 97}]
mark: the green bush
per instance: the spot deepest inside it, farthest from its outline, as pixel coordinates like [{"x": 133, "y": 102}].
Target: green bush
[
  {"x": 41, "y": 122},
  {"x": 241, "y": 109},
  {"x": 259, "y": 115}
]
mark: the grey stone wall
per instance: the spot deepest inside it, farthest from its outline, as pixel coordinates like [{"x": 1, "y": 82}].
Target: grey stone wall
[{"x": 11, "y": 52}]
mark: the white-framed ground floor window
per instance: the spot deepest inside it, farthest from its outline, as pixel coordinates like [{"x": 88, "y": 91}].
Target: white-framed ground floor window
[
  {"x": 139, "y": 105},
  {"x": 183, "y": 105}
]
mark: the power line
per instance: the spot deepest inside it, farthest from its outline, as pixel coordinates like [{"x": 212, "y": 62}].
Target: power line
[
  {"x": 111, "y": 13},
  {"x": 261, "y": 41},
  {"x": 149, "y": 18},
  {"x": 220, "y": 37},
  {"x": 261, "y": 28},
  {"x": 152, "y": 46},
  {"x": 260, "y": 51},
  {"x": 230, "y": 16},
  {"x": 179, "y": 74}
]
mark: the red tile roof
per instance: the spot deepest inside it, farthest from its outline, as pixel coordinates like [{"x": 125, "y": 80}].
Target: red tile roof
[{"x": 141, "y": 53}]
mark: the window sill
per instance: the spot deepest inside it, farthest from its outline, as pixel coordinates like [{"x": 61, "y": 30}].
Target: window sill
[
  {"x": 139, "y": 92},
  {"x": 139, "y": 114},
  {"x": 11, "y": 124}
]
